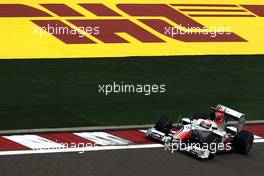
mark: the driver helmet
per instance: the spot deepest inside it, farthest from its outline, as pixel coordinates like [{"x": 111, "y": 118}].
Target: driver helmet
[{"x": 219, "y": 116}]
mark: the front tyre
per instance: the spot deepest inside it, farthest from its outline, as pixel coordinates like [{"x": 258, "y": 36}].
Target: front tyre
[
  {"x": 164, "y": 125},
  {"x": 212, "y": 139}
]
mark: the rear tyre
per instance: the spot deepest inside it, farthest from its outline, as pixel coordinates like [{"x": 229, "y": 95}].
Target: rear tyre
[
  {"x": 243, "y": 142},
  {"x": 164, "y": 125}
]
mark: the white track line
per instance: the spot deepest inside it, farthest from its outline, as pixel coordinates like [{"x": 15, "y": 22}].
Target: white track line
[
  {"x": 257, "y": 137},
  {"x": 34, "y": 141},
  {"x": 103, "y": 138},
  {"x": 258, "y": 140},
  {"x": 81, "y": 150}
]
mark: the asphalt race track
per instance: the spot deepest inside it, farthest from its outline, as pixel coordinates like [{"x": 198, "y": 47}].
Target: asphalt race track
[{"x": 132, "y": 162}]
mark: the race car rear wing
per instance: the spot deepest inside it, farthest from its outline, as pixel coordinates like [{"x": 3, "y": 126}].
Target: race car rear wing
[
  {"x": 230, "y": 111},
  {"x": 234, "y": 114}
]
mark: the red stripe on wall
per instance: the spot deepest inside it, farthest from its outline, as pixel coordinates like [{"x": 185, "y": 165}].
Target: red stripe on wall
[
  {"x": 256, "y": 9},
  {"x": 20, "y": 10},
  {"x": 99, "y": 9},
  {"x": 212, "y": 10},
  {"x": 61, "y": 9},
  {"x": 206, "y": 5}
]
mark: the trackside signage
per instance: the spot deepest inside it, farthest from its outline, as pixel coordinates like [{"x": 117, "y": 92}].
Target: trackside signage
[{"x": 80, "y": 28}]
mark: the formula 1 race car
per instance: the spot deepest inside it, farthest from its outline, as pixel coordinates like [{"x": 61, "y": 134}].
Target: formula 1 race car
[{"x": 204, "y": 135}]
